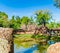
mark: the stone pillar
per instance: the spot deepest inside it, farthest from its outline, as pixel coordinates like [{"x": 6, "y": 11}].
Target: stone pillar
[{"x": 6, "y": 34}]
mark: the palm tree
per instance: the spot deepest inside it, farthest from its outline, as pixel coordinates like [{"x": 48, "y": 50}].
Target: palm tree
[
  {"x": 43, "y": 17},
  {"x": 3, "y": 19}
]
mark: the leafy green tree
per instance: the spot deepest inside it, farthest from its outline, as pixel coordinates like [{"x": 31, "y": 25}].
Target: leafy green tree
[
  {"x": 3, "y": 15},
  {"x": 24, "y": 20},
  {"x": 6, "y": 24},
  {"x": 4, "y": 19},
  {"x": 18, "y": 22},
  {"x": 13, "y": 22},
  {"x": 42, "y": 17},
  {"x": 52, "y": 25},
  {"x": 57, "y": 3},
  {"x": 57, "y": 25},
  {"x": 31, "y": 20},
  {"x": 1, "y": 22}
]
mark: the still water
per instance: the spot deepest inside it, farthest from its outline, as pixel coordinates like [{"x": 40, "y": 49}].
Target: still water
[
  {"x": 25, "y": 50},
  {"x": 29, "y": 45},
  {"x": 36, "y": 48}
]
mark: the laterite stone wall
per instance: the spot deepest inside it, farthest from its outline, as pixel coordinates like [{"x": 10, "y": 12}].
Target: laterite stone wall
[{"x": 6, "y": 40}]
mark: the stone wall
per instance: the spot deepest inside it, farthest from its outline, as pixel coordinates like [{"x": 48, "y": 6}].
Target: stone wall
[
  {"x": 4, "y": 46},
  {"x": 6, "y": 40}
]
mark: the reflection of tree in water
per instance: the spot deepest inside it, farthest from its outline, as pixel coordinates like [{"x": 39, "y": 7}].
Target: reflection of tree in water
[
  {"x": 39, "y": 40},
  {"x": 30, "y": 50},
  {"x": 42, "y": 48},
  {"x": 23, "y": 42},
  {"x": 36, "y": 51}
]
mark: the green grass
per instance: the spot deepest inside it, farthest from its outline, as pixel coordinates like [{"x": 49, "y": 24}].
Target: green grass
[{"x": 23, "y": 35}]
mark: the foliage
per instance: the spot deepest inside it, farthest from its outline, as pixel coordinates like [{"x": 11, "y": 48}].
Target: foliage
[
  {"x": 55, "y": 38},
  {"x": 3, "y": 15},
  {"x": 23, "y": 40},
  {"x": 4, "y": 20},
  {"x": 42, "y": 17},
  {"x": 52, "y": 25},
  {"x": 24, "y": 20},
  {"x": 31, "y": 20},
  {"x": 42, "y": 48},
  {"x": 41, "y": 37},
  {"x": 57, "y": 3},
  {"x": 13, "y": 22},
  {"x": 18, "y": 22}
]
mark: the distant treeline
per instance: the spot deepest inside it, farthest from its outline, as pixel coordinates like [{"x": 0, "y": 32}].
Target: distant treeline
[{"x": 40, "y": 17}]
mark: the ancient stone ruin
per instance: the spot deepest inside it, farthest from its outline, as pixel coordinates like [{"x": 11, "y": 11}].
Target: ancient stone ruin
[
  {"x": 29, "y": 29},
  {"x": 6, "y": 40},
  {"x": 4, "y": 46},
  {"x": 33, "y": 29}
]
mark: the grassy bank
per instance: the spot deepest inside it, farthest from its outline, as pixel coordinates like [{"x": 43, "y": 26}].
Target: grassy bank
[{"x": 27, "y": 40}]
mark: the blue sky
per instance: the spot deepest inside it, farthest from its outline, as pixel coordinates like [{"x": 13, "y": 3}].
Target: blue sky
[{"x": 28, "y": 7}]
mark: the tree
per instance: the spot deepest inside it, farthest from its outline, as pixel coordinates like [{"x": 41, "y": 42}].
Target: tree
[
  {"x": 31, "y": 20},
  {"x": 42, "y": 17},
  {"x": 51, "y": 25},
  {"x": 24, "y": 20},
  {"x": 18, "y": 22},
  {"x": 13, "y": 22},
  {"x": 57, "y": 3},
  {"x": 3, "y": 15},
  {"x": 4, "y": 20},
  {"x": 6, "y": 23},
  {"x": 1, "y": 22},
  {"x": 57, "y": 25}
]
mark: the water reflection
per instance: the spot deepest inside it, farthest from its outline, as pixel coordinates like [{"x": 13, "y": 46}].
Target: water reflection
[
  {"x": 33, "y": 49},
  {"x": 25, "y": 50},
  {"x": 28, "y": 45}
]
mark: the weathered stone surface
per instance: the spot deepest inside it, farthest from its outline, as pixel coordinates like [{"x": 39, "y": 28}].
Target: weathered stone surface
[
  {"x": 5, "y": 40},
  {"x": 4, "y": 46},
  {"x": 54, "y": 48},
  {"x": 31, "y": 27},
  {"x": 6, "y": 33},
  {"x": 23, "y": 27}
]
